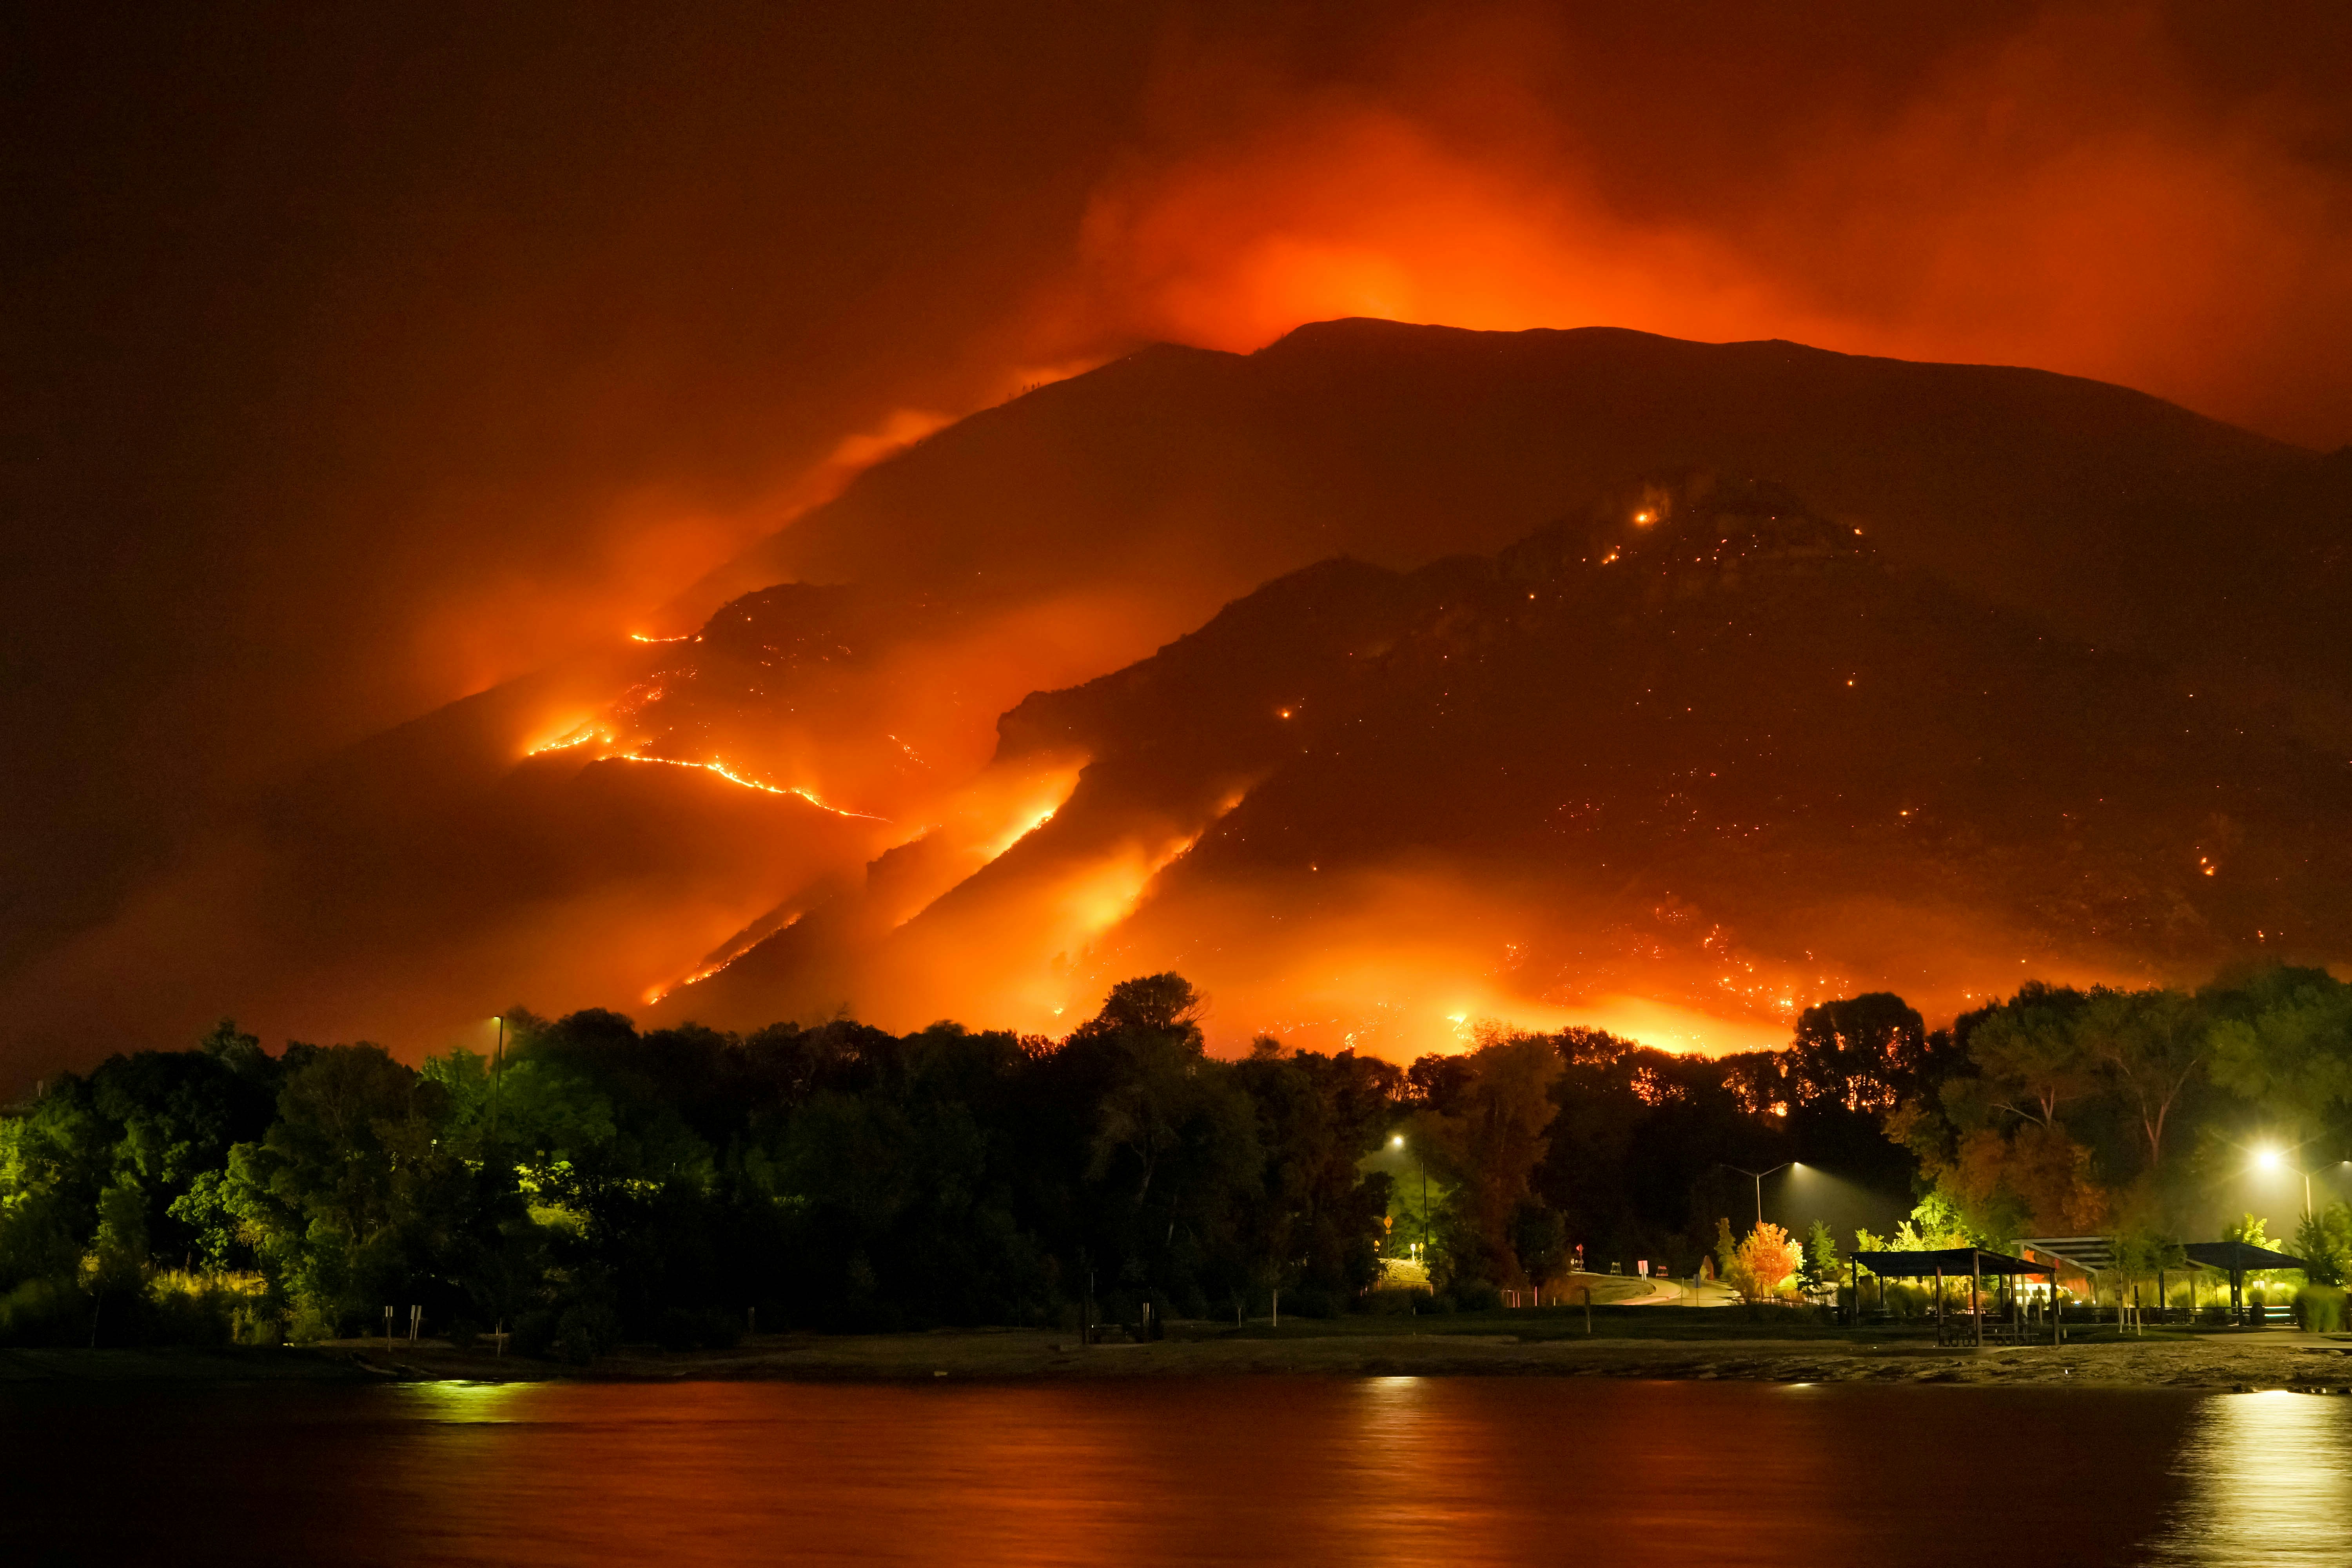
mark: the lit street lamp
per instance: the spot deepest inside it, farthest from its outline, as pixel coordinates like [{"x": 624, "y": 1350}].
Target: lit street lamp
[
  {"x": 1757, "y": 1177},
  {"x": 1397, "y": 1142},
  {"x": 2268, "y": 1158}
]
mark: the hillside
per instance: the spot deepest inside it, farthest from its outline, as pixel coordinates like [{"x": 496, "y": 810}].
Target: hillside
[
  {"x": 1728, "y": 757},
  {"x": 837, "y": 692}
]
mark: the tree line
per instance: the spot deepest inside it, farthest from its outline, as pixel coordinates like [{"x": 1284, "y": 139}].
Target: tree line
[{"x": 594, "y": 1183}]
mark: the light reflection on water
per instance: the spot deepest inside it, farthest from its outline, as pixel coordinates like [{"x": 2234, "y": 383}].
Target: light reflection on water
[
  {"x": 2268, "y": 1479},
  {"x": 1391, "y": 1471}
]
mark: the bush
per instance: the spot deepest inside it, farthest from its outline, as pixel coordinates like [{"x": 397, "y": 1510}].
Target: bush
[
  {"x": 45, "y": 1311},
  {"x": 185, "y": 1308},
  {"x": 2319, "y": 1309},
  {"x": 1782, "y": 1314},
  {"x": 585, "y": 1332}
]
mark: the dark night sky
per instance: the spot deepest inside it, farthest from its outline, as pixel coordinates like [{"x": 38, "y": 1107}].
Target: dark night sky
[{"x": 359, "y": 357}]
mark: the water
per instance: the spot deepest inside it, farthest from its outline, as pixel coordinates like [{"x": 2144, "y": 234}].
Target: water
[{"x": 1402, "y": 1471}]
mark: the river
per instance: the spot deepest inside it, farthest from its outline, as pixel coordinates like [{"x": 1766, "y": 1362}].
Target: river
[{"x": 1455, "y": 1471}]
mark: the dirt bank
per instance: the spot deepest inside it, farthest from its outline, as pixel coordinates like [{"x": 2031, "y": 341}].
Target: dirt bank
[{"x": 2211, "y": 1361}]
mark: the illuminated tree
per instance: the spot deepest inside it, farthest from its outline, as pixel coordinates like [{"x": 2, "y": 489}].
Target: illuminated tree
[
  {"x": 1821, "y": 1261},
  {"x": 1764, "y": 1264},
  {"x": 2323, "y": 1242}
]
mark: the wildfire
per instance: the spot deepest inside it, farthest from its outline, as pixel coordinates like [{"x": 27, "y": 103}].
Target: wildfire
[
  {"x": 731, "y": 776},
  {"x": 660, "y": 992},
  {"x": 581, "y": 736},
  {"x": 682, "y": 636},
  {"x": 1022, "y": 830}
]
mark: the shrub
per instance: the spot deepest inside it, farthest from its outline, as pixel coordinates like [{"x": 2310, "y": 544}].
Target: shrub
[
  {"x": 585, "y": 1332},
  {"x": 185, "y": 1308},
  {"x": 45, "y": 1311},
  {"x": 2319, "y": 1309}
]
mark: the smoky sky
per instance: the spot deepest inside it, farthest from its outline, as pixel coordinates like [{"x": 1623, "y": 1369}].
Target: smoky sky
[{"x": 360, "y": 357}]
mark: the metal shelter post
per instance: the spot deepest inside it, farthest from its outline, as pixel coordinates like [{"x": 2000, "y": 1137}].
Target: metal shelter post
[{"x": 1975, "y": 1304}]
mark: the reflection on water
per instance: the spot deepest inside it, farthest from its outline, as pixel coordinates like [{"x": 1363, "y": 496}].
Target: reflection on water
[
  {"x": 2268, "y": 1479},
  {"x": 1401, "y": 1471}
]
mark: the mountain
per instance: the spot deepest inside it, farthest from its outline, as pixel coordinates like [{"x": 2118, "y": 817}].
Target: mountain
[
  {"x": 1702, "y": 746},
  {"x": 2117, "y": 515},
  {"x": 810, "y": 758}
]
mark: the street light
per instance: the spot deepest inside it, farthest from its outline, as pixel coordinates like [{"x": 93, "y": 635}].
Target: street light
[
  {"x": 1757, "y": 1176},
  {"x": 2270, "y": 1158},
  {"x": 1397, "y": 1142}
]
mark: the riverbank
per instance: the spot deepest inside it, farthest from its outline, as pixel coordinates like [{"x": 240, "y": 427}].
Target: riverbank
[{"x": 2219, "y": 1361}]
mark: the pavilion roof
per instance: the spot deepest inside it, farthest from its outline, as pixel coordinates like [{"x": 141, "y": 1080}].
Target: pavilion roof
[
  {"x": 2233, "y": 1256},
  {"x": 1947, "y": 1260}
]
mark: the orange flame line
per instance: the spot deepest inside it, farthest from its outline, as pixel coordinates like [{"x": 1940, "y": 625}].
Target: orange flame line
[{"x": 731, "y": 776}]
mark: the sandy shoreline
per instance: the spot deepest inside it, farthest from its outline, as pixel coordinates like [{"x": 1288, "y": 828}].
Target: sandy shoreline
[{"x": 2312, "y": 1364}]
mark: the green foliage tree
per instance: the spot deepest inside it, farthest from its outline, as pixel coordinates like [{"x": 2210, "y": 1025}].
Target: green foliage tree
[
  {"x": 2152, "y": 1044},
  {"x": 1487, "y": 1135},
  {"x": 1821, "y": 1260},
  {"x": 2323, "y": 1242},
  {"x": 2283, "y": 1043},
  {"x": 607, "y": 1182}
]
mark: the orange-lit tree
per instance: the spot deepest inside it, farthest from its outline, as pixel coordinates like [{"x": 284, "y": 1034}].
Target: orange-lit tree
[{"x": 1764, "y": 1264}]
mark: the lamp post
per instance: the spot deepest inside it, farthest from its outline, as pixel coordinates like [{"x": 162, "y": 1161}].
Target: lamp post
[
  {"x": 2274, "y": 1159},
  {"x": 1397, "y": 1142},
  {"x": 1757, "y": 1177}
]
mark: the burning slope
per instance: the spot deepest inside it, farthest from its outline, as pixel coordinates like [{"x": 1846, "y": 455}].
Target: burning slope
[
  {"x": 1702, "y": 752},
  {"x": 858, "y": 662}
]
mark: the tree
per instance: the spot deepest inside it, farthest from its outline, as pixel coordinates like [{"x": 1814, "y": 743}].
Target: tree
[
  {"x": 1822, "y": 1254},
  {"x": 1764, "y": 1263},
  {"x": 1936, "y": 1223},
  {"x": 116, "y": 1263},
  {"x": 2030, "y": 1053},
  {"x": 335, "y": 1196},
  {"x": 2152, "y": 1042},
  {"x": 2284, "y": 1042},
  {"x": 1859, "y": 1054},
  {"x": 2323, "y": 1242},
  {"x": 1488, "y": 1142}
]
